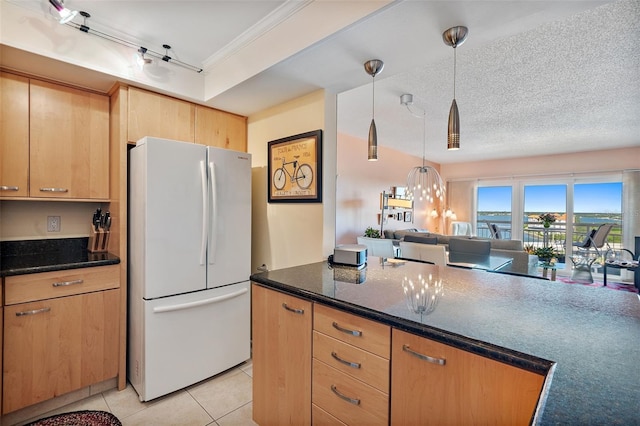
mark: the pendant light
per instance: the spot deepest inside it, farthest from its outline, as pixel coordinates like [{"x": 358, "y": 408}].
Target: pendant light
[
  {"x": 66, "y": 15},
  {"x": 454, "y": 37},
  {"x": 373, "y": 67},
  {"x": 424, "y": 183}
]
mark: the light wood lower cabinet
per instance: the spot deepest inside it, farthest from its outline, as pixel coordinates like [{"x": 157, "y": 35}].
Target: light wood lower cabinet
[
  {"x": 433, "y": 383},
  {"x": 281, "y": 333},
  {"x": 58, "y": 343}
]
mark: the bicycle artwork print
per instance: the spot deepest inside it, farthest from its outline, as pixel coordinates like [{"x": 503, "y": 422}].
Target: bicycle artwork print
[{"x": 294, "y": 168}]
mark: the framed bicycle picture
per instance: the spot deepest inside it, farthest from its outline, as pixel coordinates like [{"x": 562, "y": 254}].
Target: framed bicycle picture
[{"x": 294, "y": 169}]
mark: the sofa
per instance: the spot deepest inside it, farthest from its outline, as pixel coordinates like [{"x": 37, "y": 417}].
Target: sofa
[{"x": 523, "y": 262}]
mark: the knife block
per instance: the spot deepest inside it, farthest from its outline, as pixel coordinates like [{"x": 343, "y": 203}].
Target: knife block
[{"x": 98, "y": 241}]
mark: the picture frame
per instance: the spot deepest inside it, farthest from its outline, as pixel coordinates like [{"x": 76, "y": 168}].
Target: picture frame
[
  {"x": 399, "y": 216},
  {"x": 407, "y": 216},
  {"x": 294, "y": 168}
]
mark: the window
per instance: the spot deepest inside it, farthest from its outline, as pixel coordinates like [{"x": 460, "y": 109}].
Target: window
[{"x": 494, "y": 207}]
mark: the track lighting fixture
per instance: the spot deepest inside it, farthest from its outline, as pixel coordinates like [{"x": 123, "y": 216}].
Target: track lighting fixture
[
  {"x": 373, "y": 67},
  {"x": 66, "y": 17},
  {"x": 454, "y": 37}
]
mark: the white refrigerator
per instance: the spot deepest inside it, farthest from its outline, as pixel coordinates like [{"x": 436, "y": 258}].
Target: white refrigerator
[{"x": 189, "y": 264}]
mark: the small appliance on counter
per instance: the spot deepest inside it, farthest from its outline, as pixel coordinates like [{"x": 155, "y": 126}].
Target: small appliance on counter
[{"x": 350, "y": 255}]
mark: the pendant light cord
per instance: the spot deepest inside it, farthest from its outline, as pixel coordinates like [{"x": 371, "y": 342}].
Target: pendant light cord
[
  {"x": 373, "y": 103},
  {"x": 454, "y": 72}
]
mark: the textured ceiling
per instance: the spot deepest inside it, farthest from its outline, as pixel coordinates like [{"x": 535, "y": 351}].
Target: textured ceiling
[
  {"x": 533, "y": 77},
  {"x": 566, "y": 86}
]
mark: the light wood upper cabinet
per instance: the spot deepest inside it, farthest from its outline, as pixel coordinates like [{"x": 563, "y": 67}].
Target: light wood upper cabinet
[
  {"x": 14, "y": 136},
  {"x": 281, "y": 334},
  {"x": 463, "y": 388},
  {"x": 220, "y": 129},
  {"x": 152, "y": 114},
  {"x": 69, "y": 142}
]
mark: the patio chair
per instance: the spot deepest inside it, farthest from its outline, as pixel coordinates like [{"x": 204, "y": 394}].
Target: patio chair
[
  {"x": 588, "y": 252},
  {"x": 494, "y": 230}
]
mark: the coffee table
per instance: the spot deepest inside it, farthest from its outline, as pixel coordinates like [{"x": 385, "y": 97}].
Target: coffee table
[{"x": 548, "y": 266}]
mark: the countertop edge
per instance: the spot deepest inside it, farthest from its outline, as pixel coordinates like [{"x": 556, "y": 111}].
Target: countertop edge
[
  {"x": 508, "y": 356},
  {"x": 59, "y": 267}
]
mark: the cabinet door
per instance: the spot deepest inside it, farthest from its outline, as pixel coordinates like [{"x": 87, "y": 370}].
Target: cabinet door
[
  {"x": 69, "y": 147},
  {"x": 220, "y": 129},
  {"x": 14, "y": 135},
  {"x": 467, "y": 389},
  {"x": 152, "y": 114},
  {"x": 281, "y": 328},
  {"x": 55, "y": 346}
]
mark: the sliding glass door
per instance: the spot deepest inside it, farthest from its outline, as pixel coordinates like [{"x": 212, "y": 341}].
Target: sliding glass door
[
  {"x": 494, "y": 207},
  {"x": 545, "y": 218}
]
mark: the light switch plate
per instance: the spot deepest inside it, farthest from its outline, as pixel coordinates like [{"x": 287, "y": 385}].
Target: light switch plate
[{"x": 53, "y": 223}]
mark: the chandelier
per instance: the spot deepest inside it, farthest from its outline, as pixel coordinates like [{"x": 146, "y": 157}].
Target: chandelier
[{"x": 423, "y": 182}]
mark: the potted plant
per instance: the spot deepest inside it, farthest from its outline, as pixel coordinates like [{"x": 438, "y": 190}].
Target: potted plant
[
  {"x": 545, "y": 254},
  {"x": 547, "y": 219},
  {"x": 371, "y": 233}
]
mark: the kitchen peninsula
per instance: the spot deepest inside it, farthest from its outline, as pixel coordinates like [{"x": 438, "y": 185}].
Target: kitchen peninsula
[{"x": 563, "y": 354}]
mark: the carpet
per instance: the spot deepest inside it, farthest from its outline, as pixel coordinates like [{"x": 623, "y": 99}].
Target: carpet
[
  {"x": 79, "y": 418},
  {"x": 611, "y": 285}
]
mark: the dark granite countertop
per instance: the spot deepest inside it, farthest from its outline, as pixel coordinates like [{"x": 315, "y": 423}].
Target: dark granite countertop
[
  {"x": 33, "y": 256},
  {"x": 589, "y": 337}
]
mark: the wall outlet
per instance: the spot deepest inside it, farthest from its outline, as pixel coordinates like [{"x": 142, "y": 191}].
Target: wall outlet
[{"x": 53, "y": 223}]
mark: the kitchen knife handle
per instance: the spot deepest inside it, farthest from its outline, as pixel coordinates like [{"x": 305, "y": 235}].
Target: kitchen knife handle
[
  {"x": 33, "y": 312},
  {"x": 54, "y": 190},
  {"x": 346, "y": 330},
  {"x": 9, "y": 188},
  {"x": 439, "y": 361},
  {"x": 66, "y": 283}
]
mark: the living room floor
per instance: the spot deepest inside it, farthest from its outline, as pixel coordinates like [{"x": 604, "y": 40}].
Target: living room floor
[{"x": 222, "y": 400}]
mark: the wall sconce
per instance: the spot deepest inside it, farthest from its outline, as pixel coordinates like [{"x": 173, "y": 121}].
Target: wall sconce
[{"x": 434, "y": 214}]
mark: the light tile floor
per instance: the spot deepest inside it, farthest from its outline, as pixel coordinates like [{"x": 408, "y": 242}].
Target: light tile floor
[{"x": 223, "y": 400}]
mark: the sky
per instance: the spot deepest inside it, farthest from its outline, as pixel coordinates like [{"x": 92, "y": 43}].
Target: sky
[{"x": 588, "y": 198}]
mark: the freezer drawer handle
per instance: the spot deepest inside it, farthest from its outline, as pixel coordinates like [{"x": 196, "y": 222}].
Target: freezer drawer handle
[
  {"x": 345, "y": 362},
  {"x": 54, "y": 190},
  {"x": 439, "y": 361},
  {"x": 295, "y": 311},
  {"x": 33, "y": 312},
  {"x": 8, "y": 188},
  {"x": 189, "y": 305},
  {"x": 65, "y": 283},
  {"x": 353, "y": 401},
  {"x": 346, "y": 330}
]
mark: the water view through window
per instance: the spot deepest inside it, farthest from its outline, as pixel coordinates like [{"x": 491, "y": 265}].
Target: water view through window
[{"x": 574, "y": 208}]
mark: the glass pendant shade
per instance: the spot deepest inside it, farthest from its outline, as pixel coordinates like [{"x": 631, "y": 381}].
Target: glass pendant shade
[
  {"x": 453, "y": 136},
  {"x": 373, "y": 141},
  {"x": 425, "y": 184}
]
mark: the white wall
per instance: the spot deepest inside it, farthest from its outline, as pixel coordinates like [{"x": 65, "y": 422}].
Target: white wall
[
  {"x": 360, "y": 183},
  {"x": 292, "y": 234}
]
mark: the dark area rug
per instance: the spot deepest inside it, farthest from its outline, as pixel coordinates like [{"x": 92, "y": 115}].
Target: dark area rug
[
  {"x": 611, "y": 285},
  {"x": 79, "y": 418}
]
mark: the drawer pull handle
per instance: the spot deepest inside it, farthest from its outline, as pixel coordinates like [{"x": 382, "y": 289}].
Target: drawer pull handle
[
  {"x": 294, "y": 310},
  {"x": 8, "y": 188},
  {"x": 350, "y": 364},
  {"x": 346, "y": 330},
  {"x": 353, "y": 401},
  {"x": 34, "y": 312},
  {"x": 54, "y": 190},
  {"x": 439, "y": 361},
  {"x": 65, "y": 283}
]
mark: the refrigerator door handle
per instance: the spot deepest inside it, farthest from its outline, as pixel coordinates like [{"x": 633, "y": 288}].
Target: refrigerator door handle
[
  {"x": 189, "y": 305},
  {"x": 213, "y": 244},
  {"x": 205, "y": 229}
]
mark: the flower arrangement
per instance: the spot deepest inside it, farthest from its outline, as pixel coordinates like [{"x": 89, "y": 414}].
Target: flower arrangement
[
  {"x": 371, "y": 233},
  {"x": 547, "y": 219},
  {"x": 545, "y": 254}
]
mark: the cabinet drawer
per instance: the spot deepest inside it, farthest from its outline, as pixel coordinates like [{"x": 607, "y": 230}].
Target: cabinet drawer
[
  {"x": 370, "y": 368},
  {"x": 319, "y": 417},
  {"x": 47, "y": 285},
  {"x": 361, "y": 332},
  {"x": 349, "y": 400}
]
